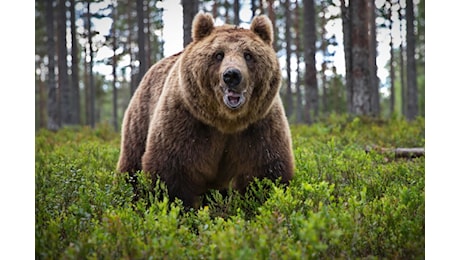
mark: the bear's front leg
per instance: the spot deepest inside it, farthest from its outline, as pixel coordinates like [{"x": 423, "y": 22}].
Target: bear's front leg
[
  {"x": 184, "y": 153},
  {"x": 263, "y": 150}
]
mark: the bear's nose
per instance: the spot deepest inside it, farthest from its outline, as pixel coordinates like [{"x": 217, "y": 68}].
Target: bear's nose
[{"x": 232, "y": 77}]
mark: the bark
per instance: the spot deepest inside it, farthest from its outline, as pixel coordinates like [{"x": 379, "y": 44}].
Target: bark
[
  {"x": 63, "y": 75},
  {"x": 361, "y": 98},
  {"x": 373, "y": 79},
  {"x": 402, "y": 68},
  {"x": 401, "y": 152},
  {"x": 131, "y": 22},
  {"x": 148, "y": 43},
  {"x": 299, "y": 99},
  {"x": 311, "y": 83},
  {"x": 253, "y": 8},
  {"x": 215, "y": 6},
  {"x": 272, "y": 17},
  {"x": 141, "y": 40},
  {"x": 42, "y": 104},
  {"x": 392, "y": 61},
  {"x": 190, "y": 9},
  {"x": 323, "y": 49},
  {"x": 288, "y": 103},
  {"x": 324, "y": 84},
  {"x": 91, "y": 88},
  {"x": 53, "y": 116},
  {"x": 75, "y": 67},
  {"x": 114, "y": 70},
  {"x": 227, "y": 13},
  {"x": 346, "y": 27},
  {"x": 236, "y": 12},
  {"x": 412, "y": 92}
]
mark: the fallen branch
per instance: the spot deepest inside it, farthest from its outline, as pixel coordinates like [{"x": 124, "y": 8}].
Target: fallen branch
[{"x": 400, "y": 152}]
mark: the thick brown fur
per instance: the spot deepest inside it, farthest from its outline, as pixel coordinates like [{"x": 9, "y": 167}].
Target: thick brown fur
[{"x": 189, "y": 125}]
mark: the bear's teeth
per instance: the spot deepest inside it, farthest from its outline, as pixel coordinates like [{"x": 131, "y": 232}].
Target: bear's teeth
[{"x": 234, "y": 100}]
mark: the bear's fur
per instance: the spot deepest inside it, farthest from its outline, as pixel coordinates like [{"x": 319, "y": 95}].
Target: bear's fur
[{"x": 210, "y": 116}]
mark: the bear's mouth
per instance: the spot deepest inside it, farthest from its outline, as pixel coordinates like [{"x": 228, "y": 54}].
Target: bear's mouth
[{"x": 233, "y": 99}]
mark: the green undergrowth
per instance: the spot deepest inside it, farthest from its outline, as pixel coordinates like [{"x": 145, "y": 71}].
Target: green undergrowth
[{"x": 346, "y": 201}]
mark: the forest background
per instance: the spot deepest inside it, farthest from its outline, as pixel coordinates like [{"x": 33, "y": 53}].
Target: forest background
[
  {"x": 91, "y": 55},
  {"x": 20, "y": 124}
]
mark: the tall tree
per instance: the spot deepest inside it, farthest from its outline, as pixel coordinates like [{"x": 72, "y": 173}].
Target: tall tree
[
  {"x": 253, "y": 8},
  {"x": 412, "y": 92},
  {"x": 361, "y": 95},
  {"x": 346, "y": 27},
  {"x": 323, "y": 48},
  {"x": 298, "y": 53},
  {"x": 53, "y": 116},
  {"x": 392, "y": 58},
  {"x": 311, "y": 83},
  {"x": 40, "y": 66},
  {"x": 91, "y": 93},
  {"x": 114, "y": 68},
  {"x": 141, "y": 40},
  {"x": 402, "y": 61},
  {"x": 63, "y": 75},
  {"x": 148, "y": 35},
  {"x": 75, "y": 67},
  {"x": 236, "y": 12},
  {"x": 130, "y": 47},
  {"x": 189, "y": 10},
  {"x": 272, "y": 17},
  {"x": 287, "y": 14},
  {"x": 373, "y": 79}
]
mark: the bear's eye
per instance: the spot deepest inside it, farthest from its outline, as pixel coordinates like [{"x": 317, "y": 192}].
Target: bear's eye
[
  {"x": 219, "y": 56},
  {"x": 248, "y": 56}
]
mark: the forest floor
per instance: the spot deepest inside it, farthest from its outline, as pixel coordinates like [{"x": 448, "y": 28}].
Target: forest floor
[{"x": 348, "y": 199}]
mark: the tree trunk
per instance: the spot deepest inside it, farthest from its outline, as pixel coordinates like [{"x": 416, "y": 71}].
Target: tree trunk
[
  {"x": 298, "y": 53},
  {"x": 402, "y": 66},
  {"x": 373, "y": 79},
  {"x": 86, "y": 89},
  {"x": 148, "y": 34},
  {"x": 131, "y": 26},
  {"x": 324, "y": 84},
  {"x": 75, "y": 70},
  {"x": 272, "y": 17},
  {"x": 53, "y": 116},
  {"x": 400, "y": 152},
  {"x": 288, "y": 103},
  {"x": 236, "y": 12},
  {"x": 392, "y": 65},
  {"x": 91, "y": 88},
  {"x": 63, "y": 76},
  {"x": 253, "y": 8},
  {"x": 412, "y": 92},
  {"x": 42, "y": 104},
  {"x": 141, "y": 40},
  {"x": 346, "y": 27},
  {"x": 114, "y": 70},
  {"x": 323, "y": 49},
  {"x": 360, "y": 58},
  {"x": 227, "y": 13},
  {"x": 311, "y": 83},
  {"x": 189, "y": 10}
]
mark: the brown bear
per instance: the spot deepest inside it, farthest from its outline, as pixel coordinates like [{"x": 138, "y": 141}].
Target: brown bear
[{"x": 210, "y": 117}]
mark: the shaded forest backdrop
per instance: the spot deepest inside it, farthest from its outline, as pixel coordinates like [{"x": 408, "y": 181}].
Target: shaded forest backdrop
[{"x": 70, "y": 90}]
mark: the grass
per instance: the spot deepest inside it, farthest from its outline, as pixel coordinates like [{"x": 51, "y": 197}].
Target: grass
[{"x": 344, "y": 202}]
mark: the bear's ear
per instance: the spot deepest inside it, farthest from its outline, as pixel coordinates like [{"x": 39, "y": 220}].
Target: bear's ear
[
  {"x": 203, "y": 24},
  {"x": 262, "y": 26}
]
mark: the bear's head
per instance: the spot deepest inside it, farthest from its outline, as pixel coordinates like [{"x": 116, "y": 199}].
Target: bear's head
[{"x": 229, "y": 76}]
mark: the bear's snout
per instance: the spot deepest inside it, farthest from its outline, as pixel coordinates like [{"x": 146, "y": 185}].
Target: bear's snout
[{"x": 232, "y": 77}]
